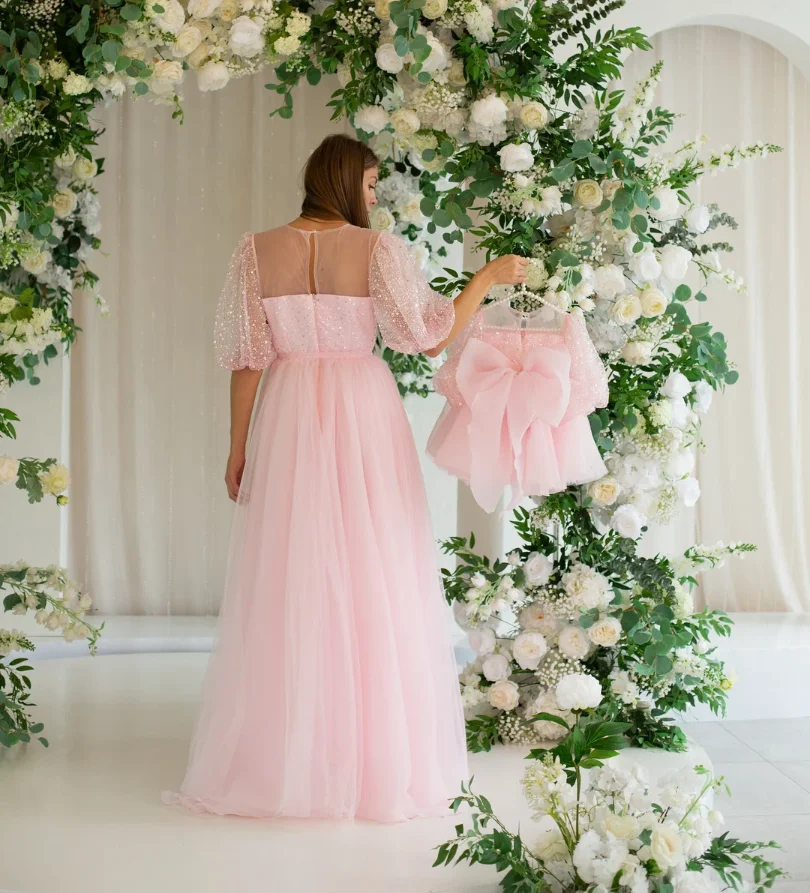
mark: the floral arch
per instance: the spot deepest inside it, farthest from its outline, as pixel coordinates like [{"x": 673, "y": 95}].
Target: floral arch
[{"x": 496, "y": 118}]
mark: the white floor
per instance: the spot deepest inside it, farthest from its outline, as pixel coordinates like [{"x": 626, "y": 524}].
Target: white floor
[{"x": 85, "y": 814}]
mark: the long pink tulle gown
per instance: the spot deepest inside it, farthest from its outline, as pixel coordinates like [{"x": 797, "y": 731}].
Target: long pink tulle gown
[{"x": 332, "y": 689}]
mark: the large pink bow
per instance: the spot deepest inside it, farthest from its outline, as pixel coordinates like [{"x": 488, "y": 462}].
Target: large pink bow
[{"x": 512, "y": 412}]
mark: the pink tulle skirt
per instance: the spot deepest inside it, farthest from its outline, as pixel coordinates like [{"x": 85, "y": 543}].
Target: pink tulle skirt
[{"x": 332, "y": 689}]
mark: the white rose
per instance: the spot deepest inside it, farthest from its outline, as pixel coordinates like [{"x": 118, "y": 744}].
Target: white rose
[
  {"x": 645, "y": 265},
  {"x": 605, "y": 491},
  {"x": 535, "y": 617},
  {"x": 703, "y": 396},
  {"x": 55, "y": 480},
  {"x": 676, "y": 385},
  {"x": 698, "y": 219},
  {"x": 528, "y": 649},
  {"x": 588, "y": 194},
  {"x": 66, "y": 159},
  {"x": 434, "y": 9},
  {"x": 84, "y": 168},
  {"x": 688, "y": 491},
  {"x": 551, "y": 201},
  {"x": 637, "y": 353},
  {"x": 665, "y": 845},
  {"x": 197, "y": 58},
  {"x": 405, "y": 121},
  {"x": 669, "y": 204},
  {"x": 516, "y": 157},
  {"x": 187, "y": 41},
  {"x": 489, "y": 111},
  {"x": 9, "y": 469},
  {"x": 371, "y": 118},
  {"x": 496, "y": 667},
  {"x": 675, "y": 262},
  {"x": 286, "y": 46},
  {"x": 437, "y": 60},
  {"x": 627, "y": 521},
  {"x": 165, "y": 75},
  {"x": 627, "y": 309},
  {"x": 573, "y": 642},
  {"x": 202, "y": 9},
  {"x": 64, "y": 202},
  {"x": 534, "y": 115},
  {"x": 625, "y": 827},
  {"x": 578, "y": 691},
  {"x": 549, "y": 845},
  {"x": 537, "y": 569},
  {"x": 504, "y": 695},
  {"x": 246, "y": 38},
  {"x": 388, "y": 59},
  {"x": 608, "y": 281},
  {"x": 381, "y": 218},
  {"x": 653, "y": 302},
  {"x": 679, "y": 465},
  {"x": 173, "y": 16},
  {"x": 212, "y": 76},
  {"x": 605, "y": 632},
  {"x": 482, "y": 640},
  {"x": 36, "y": 262}
]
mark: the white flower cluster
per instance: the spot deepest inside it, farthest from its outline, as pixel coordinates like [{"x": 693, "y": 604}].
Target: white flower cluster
[
  {"x": 12, "y": 640},
  {"x": 19, "y": 337},
  {"x": 64, "y": 604},
  {"x": 630, "y": 117},
  {"x": 629, "y": 831}
]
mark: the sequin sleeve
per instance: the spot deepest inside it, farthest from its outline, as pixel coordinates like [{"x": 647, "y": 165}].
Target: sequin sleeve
[
  {"x": 411, "y": 316},
  {"x": 242, "y": 337},
  {"x": 589, "y": 378},
  {"x": 444, "y": 381}
]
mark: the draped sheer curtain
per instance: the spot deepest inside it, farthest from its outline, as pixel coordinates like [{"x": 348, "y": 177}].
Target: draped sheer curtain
[{"x": 149, "y": 519}]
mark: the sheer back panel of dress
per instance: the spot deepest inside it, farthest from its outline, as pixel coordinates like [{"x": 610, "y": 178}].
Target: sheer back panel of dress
[{"x": 297, "y": 262}]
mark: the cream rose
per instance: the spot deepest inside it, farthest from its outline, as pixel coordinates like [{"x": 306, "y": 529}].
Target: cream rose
[
  {"x": 482, "y": 640},
  {"x": 228, "y": 10},
  {"x": 528, "y": 649},
  {"x": 588, "y": 194},
  {"x": 605, "y": 632},
  {"x": 405, "y": 121},
  {"x": 534, "y": 115},
  {"x": 381, "y": 9},
  {"x": 9, "y": 468},
  {"x": 202, "y": 9},
  {"x": 605, "y": 491},
  {"x": 537, "y": 569},
  {"x": 637, "y": 353},
  {"x": 434, "y": 9},
  {"x": 665, "y": 845},
  {"x": 573, "y": 642},
  {"x": 496, "y": 667},
  {"x": 381, "y": 218},
  {"x": 187, "y": 41},
  {"x": 173, "y": 16},
  {"x": 625, "y": 827},
  {"x": 516, "y": 157},
  {"x": 55, "y": 480},
  {"x": 504, "y": 695},
  {"x": 653, "y": 302},
  {"x": 388, "y": 59},
  {"x": 84, "y": 168},
  {"x": 549, "y": 844},
  {"x": 627, "y": 309},
  {"x": 371, "y": 118},
  {"x": 64, "y": 202},
  {"x": 36, "y": 262},
  {"x": 165, "y": 75}
]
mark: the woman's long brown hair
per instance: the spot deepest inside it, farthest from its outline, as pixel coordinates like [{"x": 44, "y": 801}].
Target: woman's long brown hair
[{"x": 333, "y": 180}]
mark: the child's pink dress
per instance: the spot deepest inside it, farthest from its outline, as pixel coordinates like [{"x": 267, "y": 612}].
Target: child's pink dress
[
  {"x": 519, "y": 390},
  {"x": 332, "y": 690}
]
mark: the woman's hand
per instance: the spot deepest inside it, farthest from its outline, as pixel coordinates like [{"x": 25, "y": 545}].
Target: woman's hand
[
  {"x": 233, "y": 474},
  {"x": 507, "y": 270}
]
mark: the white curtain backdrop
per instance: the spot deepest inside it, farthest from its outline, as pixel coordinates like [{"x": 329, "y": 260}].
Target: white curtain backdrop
[{"x": 148, "y": 517}]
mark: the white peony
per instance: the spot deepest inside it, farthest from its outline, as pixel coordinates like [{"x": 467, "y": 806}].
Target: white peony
[
  {"x": 625, "y": 827},
  {"x": 653, "y": 302},
  {"x": 482, "y": 640},
  {"x": 675, "y": 262},
  {"x": 380, "y": 218},
  {"x": 405, "y": 121},
  {"x": 246, "y": 39},
  {"x": 533, "y": 115},
  {"x": 64, "y": 202},
  {"x": 9, "y": 469},
  {"x": 586, "y": 587},
  {"x": 212, "y": 76},
  {"x": 536, "y": 617},
  {"x": 688, "y": 491},
  {"x": 516, "y": 157},
  {"x": 676, "y": 385},
  {"x": 538, "y": 569},
  {"x": 703, "y": 396},
  {"x": 588, "y": 194},
  {"x": 528, "y": 649},
  {"x": 573, "y": 642},
  {"x": 578, "y": 691},
  {"x": 371, "y": 118},
  {"x": 626, "y": 309},
  {"x": 173, "y": 16},
  {"x": 504, "y": 695},
  {"x": 605, "y": 632},
  {"x": 696, "y": 882},
  {"x": 388, "y": 59},
  {"x": 434, "y": 9},
  {"x": 438, "y": 58},
  {"x": 496, "y": 667},
  {"x": 608, "y": 281},
  {"x": 605, "y": 491},
  {"x": 202, "y": 9},
  {"x": 165, "y": 76},
  {"x": 54, "y": 480},
  {"x": 627, "y": 521},
  {"x": 187, "y": 41},
  {"x": 698, "y": 219},
  {"x": 679, "y": 465},
  {"x": 549, "y": 845},
  {"x": 665, "y": 845},
  {"x": 489, "y": 111},
  {"x": 637, "y": 353},
  {"x": 645, "y": 265},
  {"x": 669, "y": 204}
]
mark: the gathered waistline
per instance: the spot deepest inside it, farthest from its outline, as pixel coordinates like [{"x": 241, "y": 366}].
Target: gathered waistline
[{"x": 328, "y": 355}]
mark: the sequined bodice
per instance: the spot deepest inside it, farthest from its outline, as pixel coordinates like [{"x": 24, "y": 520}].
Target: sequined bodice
[{"x": 310, "y": 324}]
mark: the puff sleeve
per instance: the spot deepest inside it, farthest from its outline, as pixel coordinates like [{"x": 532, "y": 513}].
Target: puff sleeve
[
  {"x": 411, "y": 316},
  {"x": 444, "y": 381},
  {"x": 242, "y": 336},
  {"x": 589, "y": 378}
]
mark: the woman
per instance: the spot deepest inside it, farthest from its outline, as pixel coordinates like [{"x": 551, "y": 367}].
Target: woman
[{"x": 332, "y": 690}]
